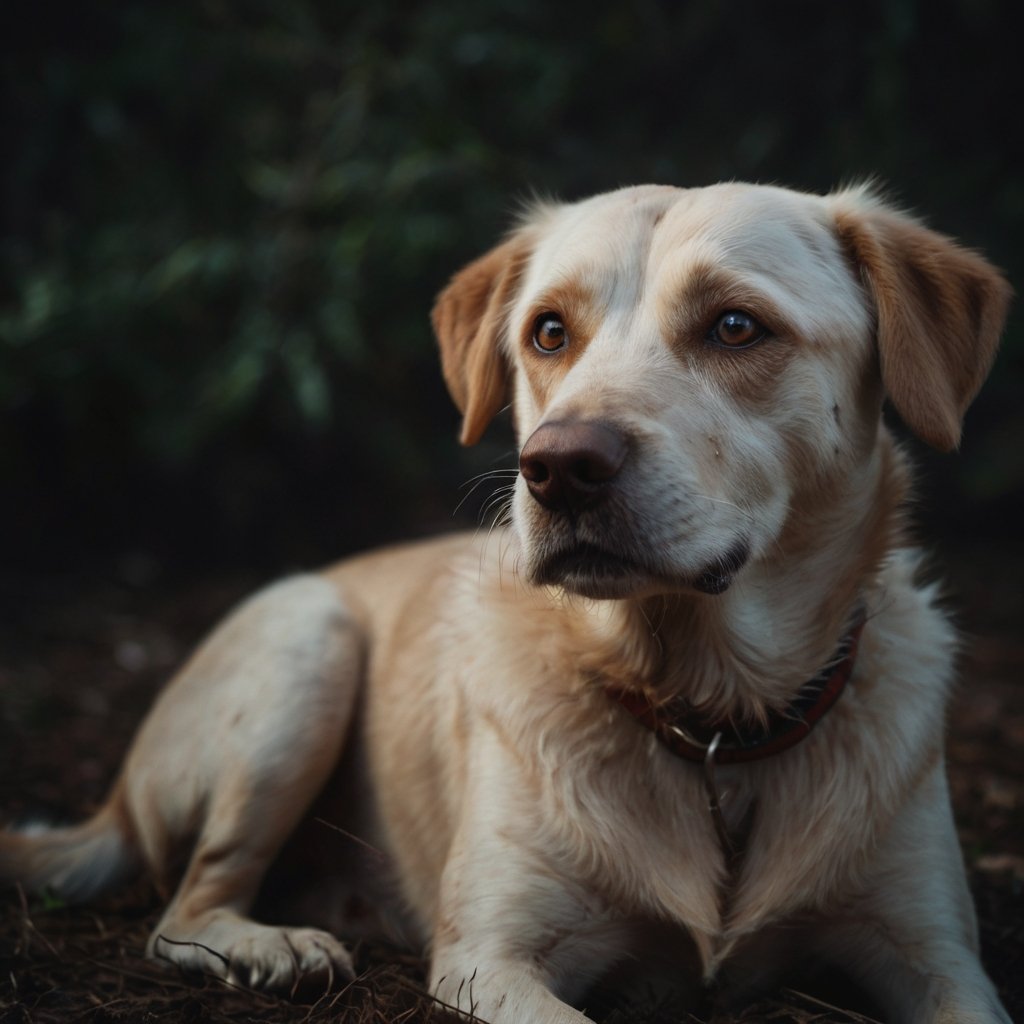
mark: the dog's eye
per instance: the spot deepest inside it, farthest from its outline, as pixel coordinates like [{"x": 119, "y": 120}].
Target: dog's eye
[
  {"x": 736, "y": 329},
  {"x": 549, "y": 333}
]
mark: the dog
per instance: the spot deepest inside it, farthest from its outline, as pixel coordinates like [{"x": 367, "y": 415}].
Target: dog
[{"x": 687, "y": 703}]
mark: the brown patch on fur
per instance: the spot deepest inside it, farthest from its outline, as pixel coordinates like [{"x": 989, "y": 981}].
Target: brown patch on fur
[
  {"x": 940, "y": 312},
  {"x": 880, "y": 533},
  {"x": 750, "y": 374},
  {"x": 575, "y": 304},
  {"x": 687, "y": 315},
  {"x": 745, "y": 373}
]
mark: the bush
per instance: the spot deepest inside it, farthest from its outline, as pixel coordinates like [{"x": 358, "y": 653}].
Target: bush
[{"x": 226, "y": 223}]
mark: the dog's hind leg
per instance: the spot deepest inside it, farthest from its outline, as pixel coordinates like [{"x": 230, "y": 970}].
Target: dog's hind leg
[
  {"x": 250, "y": 733},
  {"x": 231, "y": 756}
]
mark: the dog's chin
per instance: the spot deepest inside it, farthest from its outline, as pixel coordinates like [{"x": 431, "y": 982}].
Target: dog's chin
[
  {"x": 595, "y": 572},
  {"x": 592, "y": 571}
]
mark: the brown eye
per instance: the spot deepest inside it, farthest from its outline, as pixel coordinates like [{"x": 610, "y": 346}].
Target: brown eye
[
  {"x": 736, "y": 329},
  {"x": 549, "y": 333}
]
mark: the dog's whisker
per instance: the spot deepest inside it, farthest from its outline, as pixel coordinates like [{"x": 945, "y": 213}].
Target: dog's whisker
[
  {"x": 500, "y": 500},
  {"x": 729, "y": 504},
  {"x": 489, "y": 474},
  {"x": 500, "y": 504},
  {"x": 478, "y": 481}
]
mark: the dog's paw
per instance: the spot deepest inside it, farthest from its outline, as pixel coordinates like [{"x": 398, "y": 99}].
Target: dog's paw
[
  {"x": 253, "y": 955},
  {"x": 285, "y": 958}
]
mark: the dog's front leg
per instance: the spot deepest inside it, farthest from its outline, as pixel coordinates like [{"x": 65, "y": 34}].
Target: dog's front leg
[
  {"x": 503, "y": 993},
  {"x": 911, "y": 937},
  {"x": 514, "y": 956},
  {"x": 516, "y": 937}
]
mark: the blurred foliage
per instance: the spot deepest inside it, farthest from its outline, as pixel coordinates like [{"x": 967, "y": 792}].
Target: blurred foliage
[{"x": 224, "y": 223}]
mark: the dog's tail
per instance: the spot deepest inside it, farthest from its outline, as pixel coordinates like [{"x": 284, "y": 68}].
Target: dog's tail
[{"x": 74, "y": 863}]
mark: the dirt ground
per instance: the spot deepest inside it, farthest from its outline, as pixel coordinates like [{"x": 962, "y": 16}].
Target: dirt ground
[{"x": 80, "y": 660}]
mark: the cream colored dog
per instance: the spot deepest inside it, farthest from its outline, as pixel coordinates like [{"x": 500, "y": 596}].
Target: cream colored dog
[{"x": 585, "y": 738}]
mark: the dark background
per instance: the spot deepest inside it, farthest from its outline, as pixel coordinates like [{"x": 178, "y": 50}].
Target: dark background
[{"x": 222, "y": 226}]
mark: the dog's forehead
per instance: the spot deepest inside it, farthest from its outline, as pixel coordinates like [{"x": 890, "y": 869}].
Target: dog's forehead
[
  {"x": 639, "y": 229},
  {"x": 611, "y": 232},
  {"x": 645, "y": 241}
]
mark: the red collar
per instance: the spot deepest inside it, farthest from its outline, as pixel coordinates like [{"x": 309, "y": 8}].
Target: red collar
[{"x": 690, "y": 737}]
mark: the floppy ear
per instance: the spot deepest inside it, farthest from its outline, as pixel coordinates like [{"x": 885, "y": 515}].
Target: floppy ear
[
  {"x": 940, "y": 311},
  {"x": 469, "y": 321}
]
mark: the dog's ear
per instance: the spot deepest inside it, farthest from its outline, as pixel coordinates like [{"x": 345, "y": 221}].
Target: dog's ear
[
  {"x": 469, "y": 319},
  {"x": 940, "y": 310}
]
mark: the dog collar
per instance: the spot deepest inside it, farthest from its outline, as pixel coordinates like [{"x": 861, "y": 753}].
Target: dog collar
[{"x": 696, "y": 739}]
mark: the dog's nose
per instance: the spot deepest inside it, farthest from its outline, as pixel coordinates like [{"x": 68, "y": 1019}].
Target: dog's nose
[{"x": 568, "y": 465}]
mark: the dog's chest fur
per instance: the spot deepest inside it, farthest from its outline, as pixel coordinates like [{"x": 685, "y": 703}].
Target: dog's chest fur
[{"x": 572, "y": 780}]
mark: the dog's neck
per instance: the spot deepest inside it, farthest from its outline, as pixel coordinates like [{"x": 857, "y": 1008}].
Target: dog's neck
[{"x": 749, "y": 650}]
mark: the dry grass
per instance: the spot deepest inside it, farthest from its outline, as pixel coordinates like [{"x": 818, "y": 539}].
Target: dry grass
[{"x": 69, "y": 965}]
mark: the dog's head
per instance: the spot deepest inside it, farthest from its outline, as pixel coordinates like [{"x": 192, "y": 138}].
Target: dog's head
[{"x": 689, "y": 366}]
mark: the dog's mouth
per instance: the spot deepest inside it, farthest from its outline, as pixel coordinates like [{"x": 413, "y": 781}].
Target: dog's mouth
[
  {"x": 593, "y": 571},
  {"x": 718, "y": 577}
]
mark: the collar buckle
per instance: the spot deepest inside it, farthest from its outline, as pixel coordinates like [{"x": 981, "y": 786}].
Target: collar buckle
[{"x": 680, "y": 731}]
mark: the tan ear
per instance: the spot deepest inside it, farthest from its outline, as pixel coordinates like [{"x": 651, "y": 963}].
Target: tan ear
[
  {"x": 940, "y": 310},
  {"x": 469, "y": 319}
]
